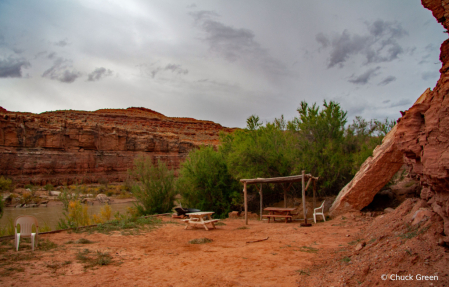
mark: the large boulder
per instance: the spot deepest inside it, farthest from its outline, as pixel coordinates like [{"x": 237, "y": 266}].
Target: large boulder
[{"x": 374, "y": 173}]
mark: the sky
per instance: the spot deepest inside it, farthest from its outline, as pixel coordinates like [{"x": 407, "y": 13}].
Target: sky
[{"x": 217, "y": 60}]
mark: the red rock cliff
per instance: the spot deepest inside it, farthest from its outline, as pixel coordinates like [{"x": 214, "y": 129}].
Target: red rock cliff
[
  {"x": 73, "y": 146},
  {"x": 423, "y": 132}
]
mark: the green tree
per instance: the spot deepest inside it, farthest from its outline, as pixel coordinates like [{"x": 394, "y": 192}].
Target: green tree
[
  {"x": 205, "y": 183},
  {"x": 265, "y": 151},
  {"x": 155, "y": 186},
  {"x": 320, "y": 145}
]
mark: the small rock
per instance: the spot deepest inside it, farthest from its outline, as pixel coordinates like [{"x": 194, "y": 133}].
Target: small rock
[
  {"x": 360, "y": 246},
  {"x": 347, "y": 235},
  {"x": 388, "y": 210},
  {"x": 55, "y": 193}
]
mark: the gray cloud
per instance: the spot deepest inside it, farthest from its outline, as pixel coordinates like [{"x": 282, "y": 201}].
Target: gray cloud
[
  {"x": 386, "y": 102},
  {"x": 323, "y": 40},
  {"x": 234, "y": 44},
  {"x": 62, "y": 43},
  {"x": 377, "y": 45},
  {"x": 18, "y": 50},
  {"x": 430, "y": 75},
  {"x": 227, "y": 41},
  {"x": 99, "y": 73},
  {"x": 12, "y": 67},
  {"x": 402, "y": 102},
  {"x": 365, "y": 77},
  {"x": 62, "y": 71},
  {"x": 387, "y": 80},
  {"x": 153, "y": 69}
]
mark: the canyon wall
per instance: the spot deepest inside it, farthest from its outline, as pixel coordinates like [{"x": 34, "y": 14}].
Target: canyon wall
[
  {"x": 64, "y": 147},
  {"x": 423, "y": 132}
]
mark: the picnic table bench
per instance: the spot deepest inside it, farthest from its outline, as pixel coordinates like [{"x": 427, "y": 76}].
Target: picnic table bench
[
  {"x": 200, "y": 218},
  {"x": 279, "y": 212}
]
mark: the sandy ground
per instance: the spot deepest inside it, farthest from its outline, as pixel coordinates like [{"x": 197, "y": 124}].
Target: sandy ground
[{"x": 321, "y": 255}]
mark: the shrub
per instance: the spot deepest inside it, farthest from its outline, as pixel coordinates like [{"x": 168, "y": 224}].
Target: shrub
[
  {"x": 49, "y": 187},
  {"x": 205, "y": 182},
  {"x": 77, "y": 216},
  {"x": 6, "y": 184},
  {"x": 66, "y": 196},
  {"x": 155, "y": 186}
]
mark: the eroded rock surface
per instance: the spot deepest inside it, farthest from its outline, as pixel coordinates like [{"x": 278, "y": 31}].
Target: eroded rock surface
[
  {"x": 73, "y": 146},
  {"x": 421, "y": 137},
  {"x": 423, "y": 132},
  {"x": 374, "y": 173}
]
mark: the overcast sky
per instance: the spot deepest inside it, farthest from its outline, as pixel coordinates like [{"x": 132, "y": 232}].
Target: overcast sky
[{"x": 217, "y": 60}]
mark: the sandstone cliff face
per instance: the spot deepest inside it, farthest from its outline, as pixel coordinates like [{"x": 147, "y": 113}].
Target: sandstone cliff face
[
  {"x": 421, "y": 138},
  {"x": 68, "y": 146},
  {"x": 423, "y": 132}
]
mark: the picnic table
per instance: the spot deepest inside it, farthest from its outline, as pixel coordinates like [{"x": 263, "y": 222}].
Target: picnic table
[
  {"x": 200, "y": 218},
  {"x": 276, "y": 212}
]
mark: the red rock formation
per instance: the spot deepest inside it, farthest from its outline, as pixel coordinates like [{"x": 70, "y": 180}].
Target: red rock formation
[
  {"x": 374, "y": 173},
  {"x": 68, "y": 146},
  {"x": 423, "y": 132}
]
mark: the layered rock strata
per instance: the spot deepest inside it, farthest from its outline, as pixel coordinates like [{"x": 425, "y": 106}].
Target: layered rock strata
[
  {"x": 374, "y": 173},
  {"x": 423, "y": 132},
  {"x": 421, "y": 137},
  {"x": 78, "y": 146}
]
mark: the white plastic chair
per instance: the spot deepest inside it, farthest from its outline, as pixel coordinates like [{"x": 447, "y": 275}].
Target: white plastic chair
[
  {"x": 319, "y": 211},
  {"x": 26, "y": 223}
]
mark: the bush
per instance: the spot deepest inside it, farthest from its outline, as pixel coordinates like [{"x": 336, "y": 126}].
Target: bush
[
  {"x": 206, "y": 184},
  {"x": 6, "y": 184},
  {"x": 49, "y": 187},
  {"x": 77, "y": 216},
  {"x": 155, "y": 186}
]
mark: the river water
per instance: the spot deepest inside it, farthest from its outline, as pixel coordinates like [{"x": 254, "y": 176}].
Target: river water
[{"x": 51, "y": 214}]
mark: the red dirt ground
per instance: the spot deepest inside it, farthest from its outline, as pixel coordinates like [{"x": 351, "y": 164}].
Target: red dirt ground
[{"x": 321, "y": 255}]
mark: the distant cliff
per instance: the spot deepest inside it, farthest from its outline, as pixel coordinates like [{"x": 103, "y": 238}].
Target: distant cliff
[{"x": 78, "y": 146}]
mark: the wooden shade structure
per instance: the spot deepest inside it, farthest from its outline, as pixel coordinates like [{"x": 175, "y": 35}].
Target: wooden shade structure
[{"x": 286, "y": 179}]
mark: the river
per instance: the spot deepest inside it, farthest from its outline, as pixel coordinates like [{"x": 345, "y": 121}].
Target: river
[{"x": 51, "y": 214}]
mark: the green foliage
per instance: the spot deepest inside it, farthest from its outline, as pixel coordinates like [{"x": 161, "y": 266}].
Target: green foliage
[
  {"x": 155, "y": 189},
  {"x": 206, "y": 184},
  {"x": 91, "y": 260},
  {"x": 6, "y": 184},
  {"x": 320, "y": 145},
  {"x": 66, "y": 196},
  {"x": 49, "y": 187},
  {"x": 262, "y": 152}
]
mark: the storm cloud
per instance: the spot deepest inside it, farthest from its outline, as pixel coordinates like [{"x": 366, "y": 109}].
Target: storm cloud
[
  {"x": 12, "y": 67},
  {"x": 156, "y": 68},
  {"x": 387, "y": 80},
  {"x": 234, "y": 44},
  {"x": 378, "y": 44},
  {"x": 365, "y": 77},
  {"x": 99, "y": 73},
  {"x": 62, "y": 71}
]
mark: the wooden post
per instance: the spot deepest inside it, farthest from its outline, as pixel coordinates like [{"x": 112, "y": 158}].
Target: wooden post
[
  {"x": 285, "y": 196},
  {"x": 314, "y": 191},
  {"x": 246, "y": 203},
  {"x": 261, "y": 201},
  {"x": 304, "y": 197}
]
